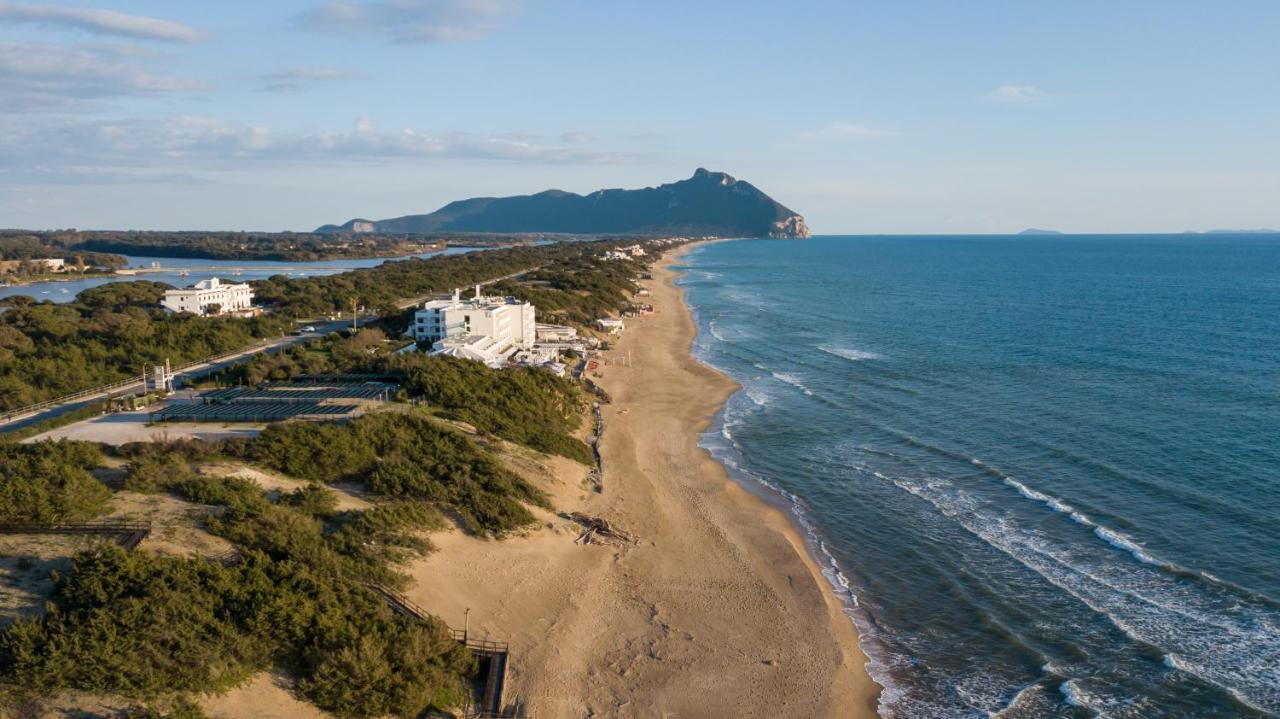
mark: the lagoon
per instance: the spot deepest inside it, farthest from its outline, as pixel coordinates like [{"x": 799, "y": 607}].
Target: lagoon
[{"x": 172, "y": 271}]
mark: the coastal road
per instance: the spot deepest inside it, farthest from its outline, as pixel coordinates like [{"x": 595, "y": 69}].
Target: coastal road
[
  {"x": 28, "y": 416},
  {"x": 56, "y": 408},
  {"x": 419, "y": 300}
]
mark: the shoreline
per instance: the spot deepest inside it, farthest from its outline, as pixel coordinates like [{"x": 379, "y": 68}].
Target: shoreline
[
  {"x": 805, "y": 534},
  {"x": 719, "y": 610}
]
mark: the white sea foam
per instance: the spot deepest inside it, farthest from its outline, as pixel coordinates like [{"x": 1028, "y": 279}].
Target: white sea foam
[
  {"x": 1207, "y": 629},
  {"x": 1072, "y": 694},
  {"x": 792, "y": 380},
  {"x": 853, "y": 355},
  {"x": 1116, "y": 539},
  {"x": 1053, "y": 502},
  {"x": 1113, "y": 537}
]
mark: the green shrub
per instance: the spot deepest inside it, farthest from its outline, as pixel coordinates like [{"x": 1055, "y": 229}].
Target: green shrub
[
  {"x": 313, "y": 499},
  {"x": 155, "y": 472},
  {"x": 50, "y": 482},
  {"x": 144, "y": 626},
  {"x": 525, "y": 405},
  {"x": 402, "y": 456}
]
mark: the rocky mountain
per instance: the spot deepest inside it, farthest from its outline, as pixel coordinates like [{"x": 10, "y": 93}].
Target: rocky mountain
[{"x": 707, "y": 204}]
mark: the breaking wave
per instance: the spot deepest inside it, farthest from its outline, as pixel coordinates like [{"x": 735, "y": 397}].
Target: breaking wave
[{"x": 853, "y": 355}]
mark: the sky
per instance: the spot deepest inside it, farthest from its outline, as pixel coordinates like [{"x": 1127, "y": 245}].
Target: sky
[{"x": 910, "y": 116}]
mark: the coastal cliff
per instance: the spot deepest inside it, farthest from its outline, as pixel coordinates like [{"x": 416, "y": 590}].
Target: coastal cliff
[
  {"x": 790, "y": 227},
  {"x": 708, "y": 204}
]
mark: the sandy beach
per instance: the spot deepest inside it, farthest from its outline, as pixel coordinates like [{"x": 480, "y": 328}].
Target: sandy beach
[{"x": 717, "y": 611}]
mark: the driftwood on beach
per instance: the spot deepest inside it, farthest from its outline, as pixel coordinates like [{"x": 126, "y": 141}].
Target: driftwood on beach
[{"x": 598, "y": 529}]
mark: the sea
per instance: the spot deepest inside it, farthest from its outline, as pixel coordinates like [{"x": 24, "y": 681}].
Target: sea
[{"x": 1042, "y": 472}]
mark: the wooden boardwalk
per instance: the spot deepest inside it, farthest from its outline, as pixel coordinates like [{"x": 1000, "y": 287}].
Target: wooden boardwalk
[
  {"x": 129, "y": 534},
  {"x": 492, "y": 655}
]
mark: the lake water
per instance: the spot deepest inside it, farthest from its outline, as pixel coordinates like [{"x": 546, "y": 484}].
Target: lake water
[
  {"x": 201, "y": 269},
  {"x": 1044, "y": 472}
]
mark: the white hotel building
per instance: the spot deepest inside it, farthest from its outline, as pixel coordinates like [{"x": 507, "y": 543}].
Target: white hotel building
[
  {"x": 204, "y": 294},
  {"x": 485, "y": 329}
]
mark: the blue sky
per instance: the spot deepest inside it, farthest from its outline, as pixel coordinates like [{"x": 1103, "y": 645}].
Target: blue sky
[{"x": 866, "y": 117}]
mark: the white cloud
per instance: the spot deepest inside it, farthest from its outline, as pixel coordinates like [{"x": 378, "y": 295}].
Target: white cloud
[
  {"x": 844, "y": 131},
  {"x": 39, "y": 77},
  {"x": 411, "y": 20},
  {"x": 1015, "y": 94},
  {"x": 100, "y": 22},
  {"x": 198, "y": 144},
  {"x": 296, "y": 79}
]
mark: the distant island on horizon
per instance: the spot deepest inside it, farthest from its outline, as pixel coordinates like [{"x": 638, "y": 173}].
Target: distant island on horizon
[
  {"x": 709, "y": 204},
  {"x": 1037, "y": 231},
  {"x": 1259, "y": 231}
]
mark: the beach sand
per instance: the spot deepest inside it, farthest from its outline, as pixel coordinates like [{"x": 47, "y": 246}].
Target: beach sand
[{"x": 718, "y": 610}]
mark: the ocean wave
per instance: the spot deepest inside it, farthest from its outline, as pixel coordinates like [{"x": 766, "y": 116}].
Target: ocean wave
[
  {"x": 1053, "y": 503},
  {"x": 1217, "y": 635},
  {"x": 1120, "y": 541},
  {"x": 1115, "y": 538},
  {"x": 1030, "y": 701},
  {"x": 1072, "y": 694},
  {"x": 853, "y": 355},
  {"x": 792, "y": 380}
]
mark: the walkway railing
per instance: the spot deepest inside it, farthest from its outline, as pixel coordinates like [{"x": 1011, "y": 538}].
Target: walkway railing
[
  {"x": 131, "y": 533},
  {"x": 107, "y": 390},
  {"x": 493, "y": 654}
]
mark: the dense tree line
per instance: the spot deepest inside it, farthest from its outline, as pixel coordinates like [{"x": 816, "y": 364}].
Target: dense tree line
[
  {"x": 527, "y": 405},
  {"x": 577, "y": 291},
  {"x": 26, "y": 246},
  {"x": 383, "y": 287},
  {"x": 110, "y": 332},
  {"x": 275, "y": 246}
]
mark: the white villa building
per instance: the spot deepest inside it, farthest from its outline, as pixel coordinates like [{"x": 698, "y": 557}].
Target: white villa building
[
  {"x": 205, "y": 294},
  {"x": 485, "y": 329}
]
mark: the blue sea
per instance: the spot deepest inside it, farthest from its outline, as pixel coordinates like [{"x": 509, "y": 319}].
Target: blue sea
[{"x": 1043, "y": 472}]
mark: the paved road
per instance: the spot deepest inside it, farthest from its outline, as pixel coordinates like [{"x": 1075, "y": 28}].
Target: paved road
[{"x": 9, "y": 423}]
